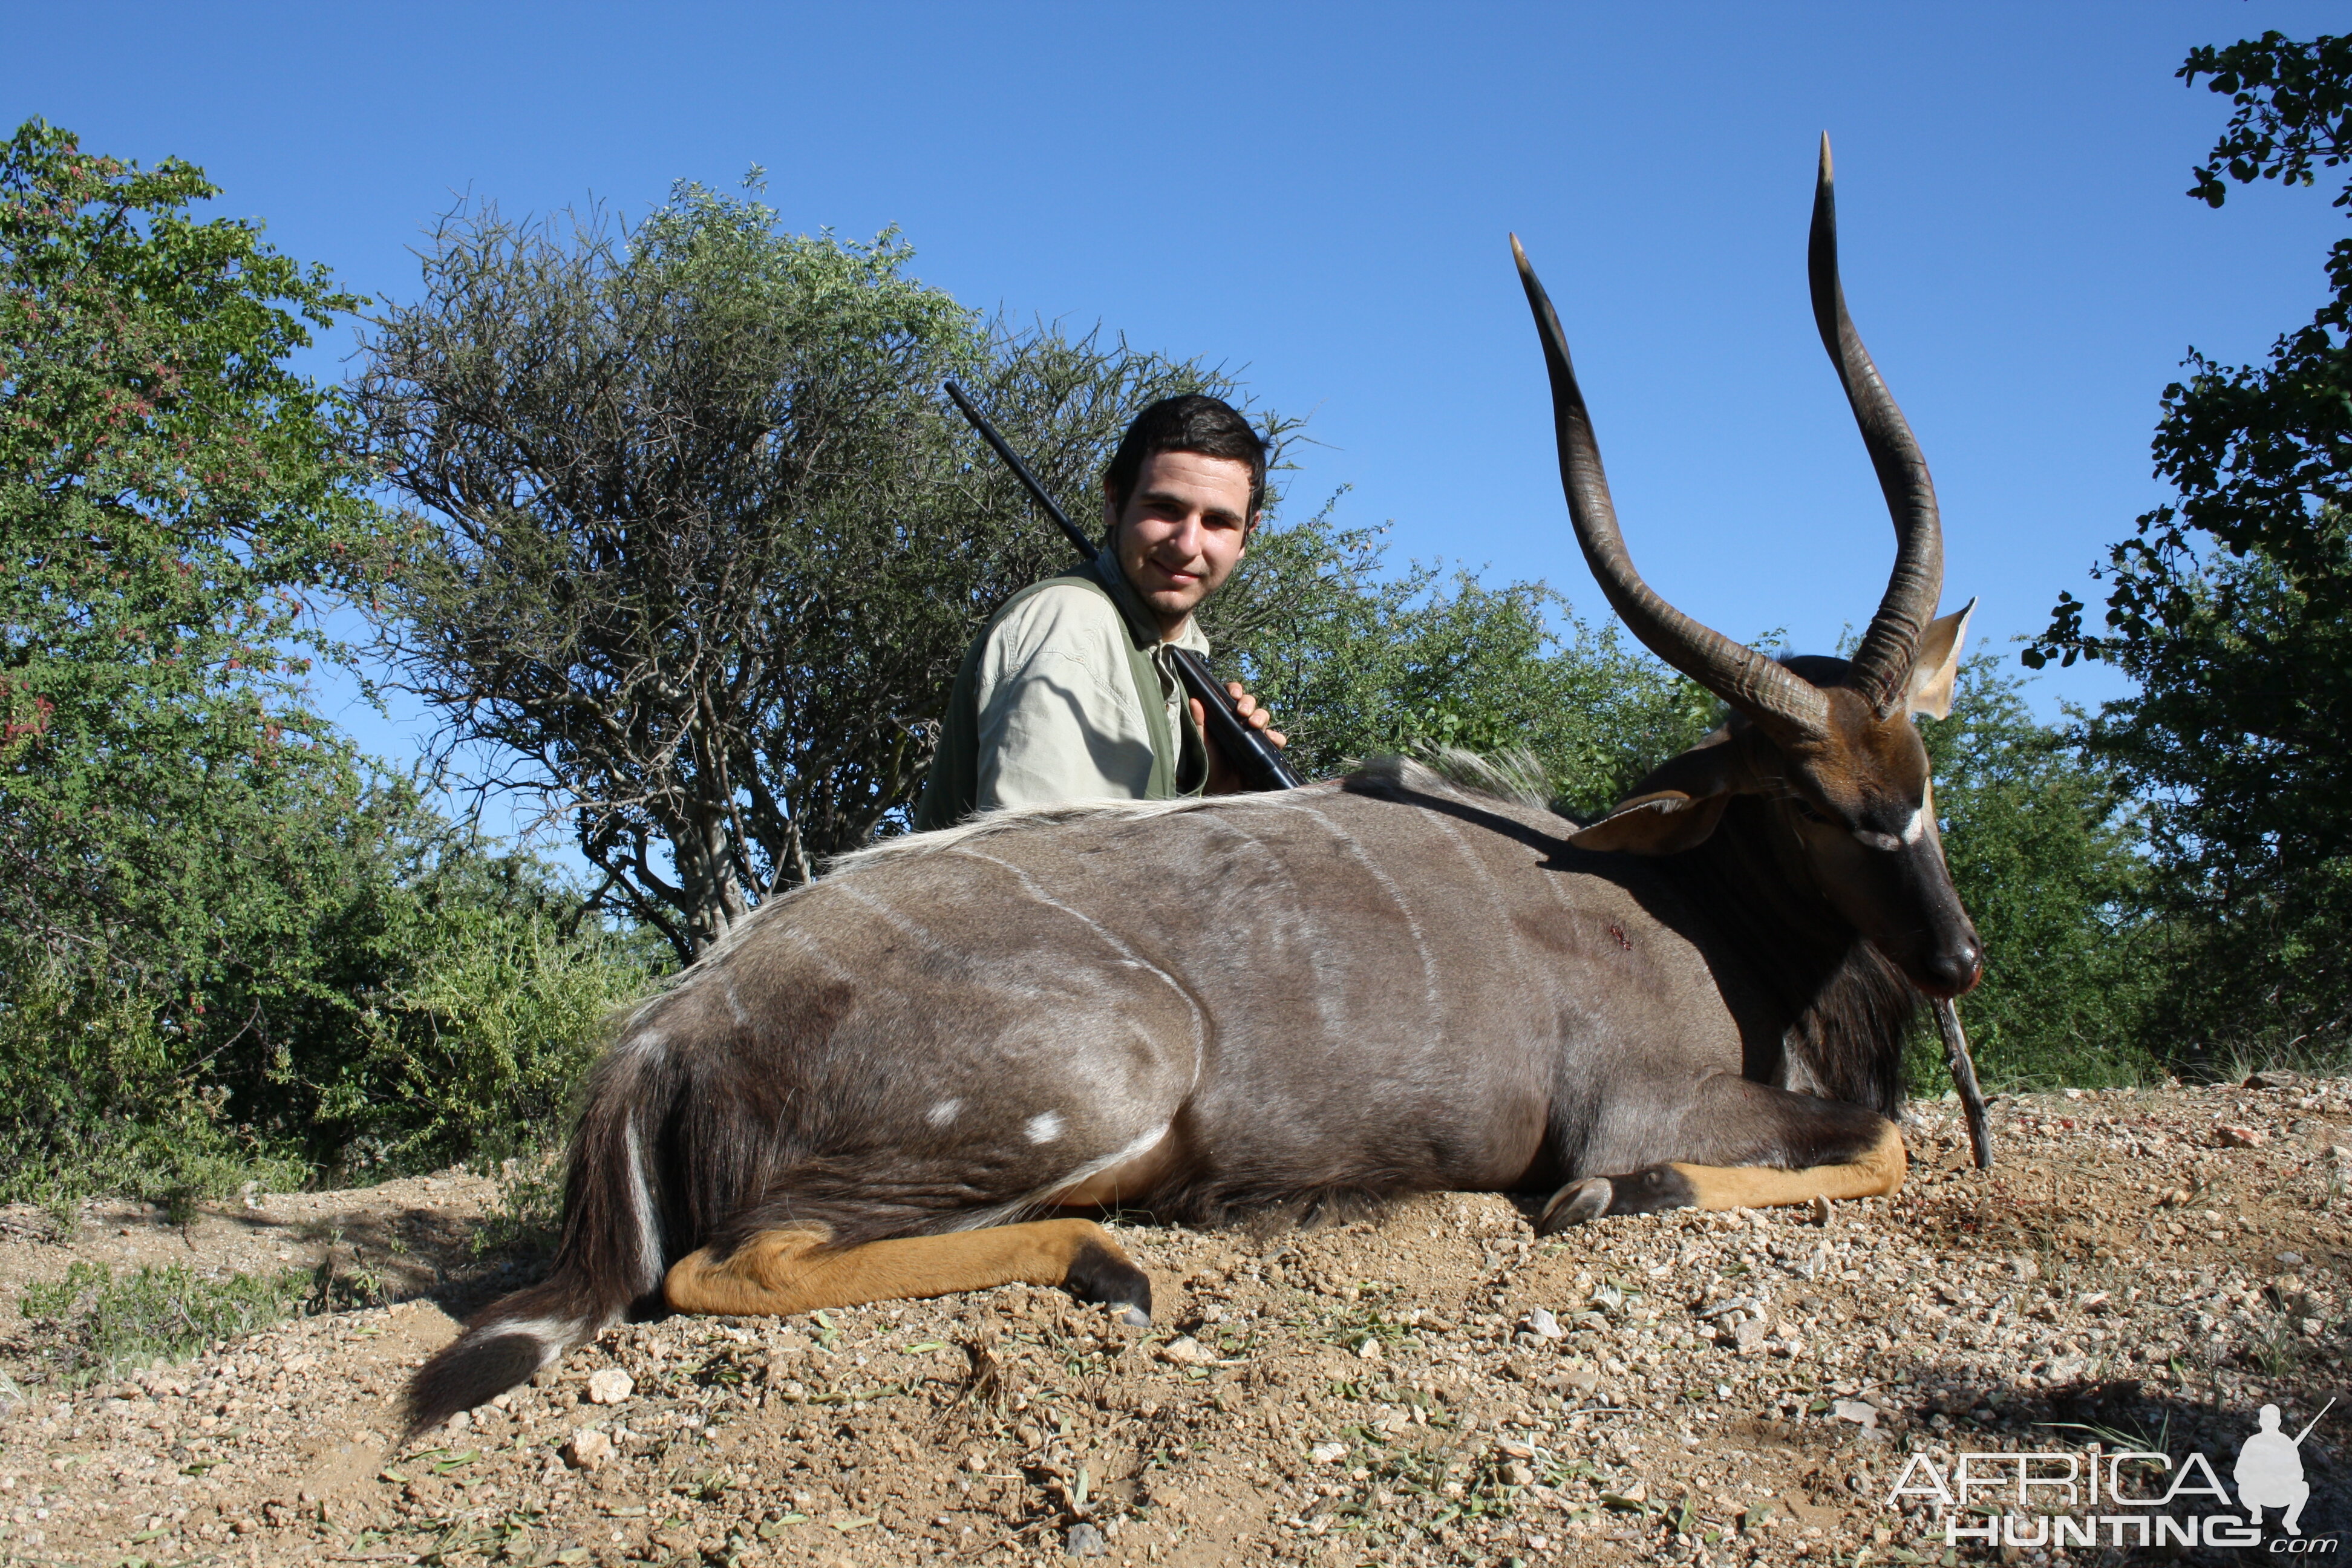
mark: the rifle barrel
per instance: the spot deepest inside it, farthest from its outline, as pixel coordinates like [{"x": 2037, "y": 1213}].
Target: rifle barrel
[{"x": 1077, "y": 536}]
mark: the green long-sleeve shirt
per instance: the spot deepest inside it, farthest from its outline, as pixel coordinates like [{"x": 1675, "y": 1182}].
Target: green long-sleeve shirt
[{"x": 1058, "y": 700}]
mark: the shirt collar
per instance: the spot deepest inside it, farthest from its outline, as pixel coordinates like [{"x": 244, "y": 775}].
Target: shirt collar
[{"x": 1106, "y": 569}]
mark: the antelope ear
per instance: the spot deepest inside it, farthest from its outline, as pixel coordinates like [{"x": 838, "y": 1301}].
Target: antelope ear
[
  {"x": 1666, "y": 823},
  {"x": 1938, "y": 664},
  {"x": 1674, "y": 809}
]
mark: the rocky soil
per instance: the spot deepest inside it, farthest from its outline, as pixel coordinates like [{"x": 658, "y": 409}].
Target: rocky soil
[{"x": 2142, "y": 1269}]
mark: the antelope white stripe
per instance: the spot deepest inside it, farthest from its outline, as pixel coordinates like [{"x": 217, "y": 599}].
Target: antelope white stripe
[
  {"x": 1396, "y": 895},
  {"x": 553, "y": 1334},
  {"x": 1111, "y": 940},
  {"x": 641, "y": 1202},
  {"x": 897, "y": 921},
  {"x": 1004, "y": 1214},
  {"x": 1330, "y": 1013}
]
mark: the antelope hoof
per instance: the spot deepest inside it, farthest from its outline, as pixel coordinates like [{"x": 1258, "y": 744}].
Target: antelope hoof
[
  {"x": 1102, "y": 1277},
  {"x": 1576, "y": 1203},
  {"x": 1652, "y": 1189}
]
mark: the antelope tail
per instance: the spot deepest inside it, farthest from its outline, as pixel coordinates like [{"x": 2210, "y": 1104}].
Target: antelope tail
[{"x": 610, "y": 1257}]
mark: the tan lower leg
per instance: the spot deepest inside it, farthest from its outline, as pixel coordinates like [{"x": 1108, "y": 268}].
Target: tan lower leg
[
  {"x": 774, "y": 1272},
  {"x": 1878, "y": 1173}
]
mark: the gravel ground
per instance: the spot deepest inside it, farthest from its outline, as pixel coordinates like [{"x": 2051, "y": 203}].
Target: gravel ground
[{"x": 2142, "y": 1269}]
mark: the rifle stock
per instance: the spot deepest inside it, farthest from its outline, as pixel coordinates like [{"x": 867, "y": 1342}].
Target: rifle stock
[{"x": 1257, "y": 760}]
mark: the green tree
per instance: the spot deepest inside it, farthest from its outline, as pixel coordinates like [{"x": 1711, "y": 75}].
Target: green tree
[
  {"x": 170, "y": 497},
  {"x": 224, "y": 937},
  {"x": 169, "y": 494},
  {"x": 2046, "y": 847},
  {"x": 698, "y": 545},
  {"x": 2231, "y": 607}
]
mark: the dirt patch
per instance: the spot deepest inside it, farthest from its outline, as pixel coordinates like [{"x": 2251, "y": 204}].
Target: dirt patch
[
  {"x": 2143, "y": 1270},
  {"x": 409, "y": 1236}
]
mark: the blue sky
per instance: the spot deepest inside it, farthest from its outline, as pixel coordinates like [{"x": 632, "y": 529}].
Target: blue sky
[{"x": 1319, "y": 195}]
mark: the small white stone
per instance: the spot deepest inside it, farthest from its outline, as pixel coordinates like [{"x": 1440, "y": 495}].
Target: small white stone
[
  {"x": 1184, "y": 1351},
  {"x": 1369, "y": 1350},
  {"x": 589, "y": 1449},
  {"x": 610, "y": 1386},
  {"x": 1327, "y": 1453}
]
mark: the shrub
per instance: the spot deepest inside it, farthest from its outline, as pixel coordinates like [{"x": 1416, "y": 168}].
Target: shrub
[
  {"x": 99, "y": 1103},
  {"x": 93, "y": 1324},
  {"x": 474, "y": 1049}
]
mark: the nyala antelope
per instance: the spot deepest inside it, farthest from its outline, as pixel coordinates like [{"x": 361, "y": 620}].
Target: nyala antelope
[{"x": 882, "y": 1084}]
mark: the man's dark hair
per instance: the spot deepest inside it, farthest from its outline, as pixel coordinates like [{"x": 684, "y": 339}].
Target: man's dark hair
[{"x": 1192, "y": 423}]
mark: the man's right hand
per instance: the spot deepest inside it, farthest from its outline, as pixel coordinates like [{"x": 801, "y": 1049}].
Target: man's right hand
[{"x": 1223, "y": 779}]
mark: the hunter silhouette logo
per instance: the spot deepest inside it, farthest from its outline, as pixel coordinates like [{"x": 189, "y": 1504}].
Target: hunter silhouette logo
[
  {"x": 2121, "y": 1497},
  {"x": 2270, "y": 1470}
]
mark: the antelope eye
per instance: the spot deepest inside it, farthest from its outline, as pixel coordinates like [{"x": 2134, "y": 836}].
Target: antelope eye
[{"x": 1807, "y": 810}]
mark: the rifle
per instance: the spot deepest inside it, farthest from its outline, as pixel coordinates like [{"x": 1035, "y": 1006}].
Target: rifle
[
  {"x": 1964, "y": 1079},
  {"x": 1249, "y": 753}
]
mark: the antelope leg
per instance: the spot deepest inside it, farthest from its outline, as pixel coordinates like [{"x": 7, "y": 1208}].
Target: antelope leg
[
  {"x": 1874, "y": 1171},
  {"x": 1877, "y": 1172},
  {"x": 792, "y": 1270}
]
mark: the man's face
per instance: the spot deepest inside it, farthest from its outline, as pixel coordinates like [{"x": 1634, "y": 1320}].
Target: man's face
[{"x": 1184, "y": 531}]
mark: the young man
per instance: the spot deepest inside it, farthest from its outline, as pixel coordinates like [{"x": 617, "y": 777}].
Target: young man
[{"x": 1058, "y": 698}]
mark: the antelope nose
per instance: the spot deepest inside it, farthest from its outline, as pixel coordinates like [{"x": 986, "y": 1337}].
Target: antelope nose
[{"x": 1955, "y": 970}]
